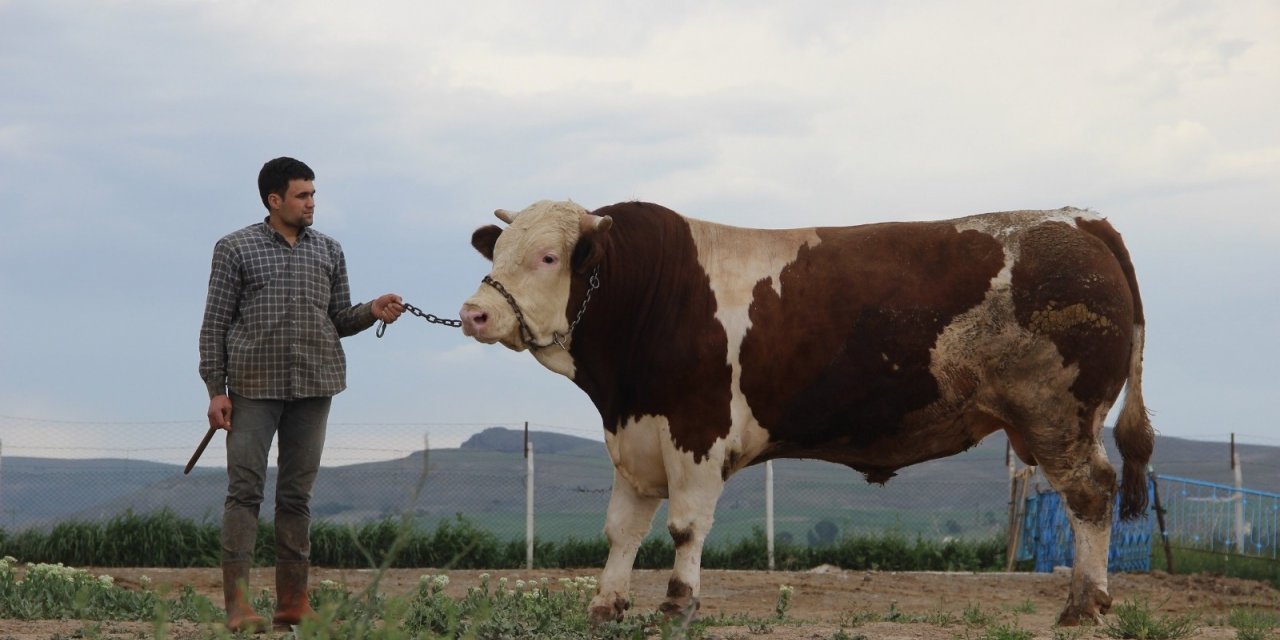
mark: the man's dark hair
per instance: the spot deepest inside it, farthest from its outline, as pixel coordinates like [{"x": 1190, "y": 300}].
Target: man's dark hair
[{"x": 276, "y": 174}]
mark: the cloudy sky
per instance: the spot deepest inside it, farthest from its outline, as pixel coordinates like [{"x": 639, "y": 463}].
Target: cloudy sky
[{"x": 131, "y": 133}]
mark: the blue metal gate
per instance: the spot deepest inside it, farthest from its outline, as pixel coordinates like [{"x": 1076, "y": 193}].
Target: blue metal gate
[{"x": 1047, "y": 536}]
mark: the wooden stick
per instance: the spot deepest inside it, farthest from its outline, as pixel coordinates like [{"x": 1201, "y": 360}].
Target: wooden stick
[{"x": 199, "y": 450}]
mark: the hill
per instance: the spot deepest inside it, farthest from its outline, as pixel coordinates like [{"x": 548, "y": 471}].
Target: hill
[{"x": 484, "y": 479}]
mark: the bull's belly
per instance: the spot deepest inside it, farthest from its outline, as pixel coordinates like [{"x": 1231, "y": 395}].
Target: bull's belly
[{"x": 878, "y": 451}]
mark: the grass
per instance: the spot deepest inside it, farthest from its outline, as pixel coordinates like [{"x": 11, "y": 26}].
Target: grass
[
  {"x": 1252, "y": 624},
  {"x": 1134, "y": 619}
]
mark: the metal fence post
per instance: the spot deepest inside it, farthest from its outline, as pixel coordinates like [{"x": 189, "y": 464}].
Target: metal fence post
[
  {"x": 528, "y": 512},
  {"x": 768, "y": 509},
  {"x": 1239, "y": 495}
]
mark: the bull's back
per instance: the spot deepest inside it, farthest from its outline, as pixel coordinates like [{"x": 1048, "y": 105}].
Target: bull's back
[{"x": 867, "y": 334}]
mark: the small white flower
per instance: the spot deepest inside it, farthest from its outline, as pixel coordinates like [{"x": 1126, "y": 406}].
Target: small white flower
[
  {"x": 106, "y": 580},
  {"x": 144, "y": 580},
  {"x": 441, "y": 581}
]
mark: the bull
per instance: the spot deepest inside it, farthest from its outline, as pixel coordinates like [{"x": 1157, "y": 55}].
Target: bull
[{"x": 707, "y": 348}]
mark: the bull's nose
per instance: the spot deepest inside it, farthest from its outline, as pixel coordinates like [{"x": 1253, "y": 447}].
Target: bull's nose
[{"x": 473, "y": 320}]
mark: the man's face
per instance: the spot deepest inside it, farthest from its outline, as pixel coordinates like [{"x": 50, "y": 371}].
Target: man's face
[{"x": 298, "y": 206}]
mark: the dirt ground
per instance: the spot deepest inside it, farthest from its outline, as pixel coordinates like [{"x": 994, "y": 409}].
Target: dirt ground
[{"x": 825, "y": 601}]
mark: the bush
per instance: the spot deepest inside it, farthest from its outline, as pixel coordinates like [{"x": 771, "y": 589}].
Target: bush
[{"x": 161, "y": 539}]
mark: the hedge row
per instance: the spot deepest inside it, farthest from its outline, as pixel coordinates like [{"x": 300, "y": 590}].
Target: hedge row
[{"x": 162, "y": 539}]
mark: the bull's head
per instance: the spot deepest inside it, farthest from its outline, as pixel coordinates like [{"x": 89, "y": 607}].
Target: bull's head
[{"x": 523, "y": 303}]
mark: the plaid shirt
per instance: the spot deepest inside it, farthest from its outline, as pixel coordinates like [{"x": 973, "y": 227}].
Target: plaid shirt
[{"x": 274, "y": 316}]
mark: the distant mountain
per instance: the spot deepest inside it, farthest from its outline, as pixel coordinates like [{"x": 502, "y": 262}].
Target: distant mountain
[{"x": 484, "y": 479}]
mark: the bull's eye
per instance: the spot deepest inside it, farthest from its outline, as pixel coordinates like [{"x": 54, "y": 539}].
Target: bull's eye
[{"x": 548, "y": 259}]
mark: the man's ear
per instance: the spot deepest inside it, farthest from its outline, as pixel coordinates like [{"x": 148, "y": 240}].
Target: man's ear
[
  {"x": 484, "y": 238},
  {"x": 274, "y": 200}
]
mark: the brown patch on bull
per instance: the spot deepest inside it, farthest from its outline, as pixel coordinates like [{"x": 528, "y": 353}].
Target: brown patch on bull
[
  {"x": 1103, "y": 231},
  {"x": 1085, "y": 603},
  {"x": 834, "y": 365},
  {"x": 676, "y": 588},
  {"x": 731, "y": 461},
  {"x": 1090, "y": 492},
  {"x": 680, "y": 602},
  {"x": 677, "y": 365},
  {"x": 680, "y": 537},
  {"x": 1068, "y": 287}
]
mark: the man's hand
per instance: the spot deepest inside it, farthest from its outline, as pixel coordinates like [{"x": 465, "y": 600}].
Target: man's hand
[
  {"x": 388, "y": 307},
  {"x": 220, "y": 412}
]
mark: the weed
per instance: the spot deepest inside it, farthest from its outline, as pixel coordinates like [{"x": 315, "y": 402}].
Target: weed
[
  {"x": 1007, "y": 631},
  {"x": 784, "y": 601},
  {"x": 974, "y": 616},
  {"x": 1134, "y": 619},
  {"x": 1069, "y": 633},
  {"x": 1251, "y": 624}
]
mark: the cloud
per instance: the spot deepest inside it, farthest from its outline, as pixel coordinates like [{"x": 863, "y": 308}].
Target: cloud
[{"x": 133, "y": 132}]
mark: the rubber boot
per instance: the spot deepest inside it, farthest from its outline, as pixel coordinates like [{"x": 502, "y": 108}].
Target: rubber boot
[
  {"x": 235, "y": 588},
  {"x": 292, "y": 601}
]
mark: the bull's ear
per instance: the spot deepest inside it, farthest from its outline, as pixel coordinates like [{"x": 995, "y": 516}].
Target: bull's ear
[
  {"x": 590, "y": 248},
  {"x": 484, "y": 238}
]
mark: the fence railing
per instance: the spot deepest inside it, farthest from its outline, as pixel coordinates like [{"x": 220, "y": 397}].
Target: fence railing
[{"x": 1221, "y": 518}]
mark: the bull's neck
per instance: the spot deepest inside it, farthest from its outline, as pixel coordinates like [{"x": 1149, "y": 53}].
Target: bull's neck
[{"x": 639, "y": 323}]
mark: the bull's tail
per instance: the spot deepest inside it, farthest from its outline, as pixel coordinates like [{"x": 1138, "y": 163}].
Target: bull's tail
[{"x": 1134, "y": 436}]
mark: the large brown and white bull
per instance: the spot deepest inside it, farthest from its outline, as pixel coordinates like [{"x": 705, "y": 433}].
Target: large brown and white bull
[{"x": 707, "y": 348}]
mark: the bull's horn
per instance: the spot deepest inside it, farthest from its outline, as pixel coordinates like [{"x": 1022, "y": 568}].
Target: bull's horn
[
  {"x": 505, "y": 216},
  {"x": 590, "y": 223}
]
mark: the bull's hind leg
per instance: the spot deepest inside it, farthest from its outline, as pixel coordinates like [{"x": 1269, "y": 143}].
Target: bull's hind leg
[
  {"x": 1075, "y": 463},
  {"x": 629, "y": 519}
]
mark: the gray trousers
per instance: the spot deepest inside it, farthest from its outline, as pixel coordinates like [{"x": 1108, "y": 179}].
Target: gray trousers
[{"x": 300, "y": 425}]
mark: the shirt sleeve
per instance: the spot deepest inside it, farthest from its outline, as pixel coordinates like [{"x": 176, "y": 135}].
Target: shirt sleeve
[
  {"x": 348, "y": 319},
  {"x": 220, "y": 310}
]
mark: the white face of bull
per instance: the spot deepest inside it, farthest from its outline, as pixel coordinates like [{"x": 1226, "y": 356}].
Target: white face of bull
[{"x": 532, "y": 261}]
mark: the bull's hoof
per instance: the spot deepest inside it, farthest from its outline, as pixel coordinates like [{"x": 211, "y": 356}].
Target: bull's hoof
[
  {"x": 1085, "y": 609},
  {"x": 681, "y": 609},
  {"x": 606, "y": 613}
]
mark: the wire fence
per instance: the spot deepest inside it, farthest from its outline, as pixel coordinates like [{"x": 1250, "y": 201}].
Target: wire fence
[
  {"x": 1219, "y": 518},
  {"x": 372, "y": 471},
  {"x": 56, "y": 471}
]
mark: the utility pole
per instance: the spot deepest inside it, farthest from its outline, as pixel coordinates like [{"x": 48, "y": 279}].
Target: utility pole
[{"x": 1237, "y": 475}]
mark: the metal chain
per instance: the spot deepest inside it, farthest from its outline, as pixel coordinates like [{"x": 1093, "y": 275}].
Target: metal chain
[
  {"x": 429, "y": 317},
  {"x": 526, "y": 333}
]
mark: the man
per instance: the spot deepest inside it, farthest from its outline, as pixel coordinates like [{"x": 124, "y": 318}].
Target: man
[{"x": 270, "y": 356}]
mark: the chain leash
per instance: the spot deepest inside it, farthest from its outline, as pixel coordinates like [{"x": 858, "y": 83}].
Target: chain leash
[
  {"x": 429, "y": 317},
  {"x": 526, "y": 333}
]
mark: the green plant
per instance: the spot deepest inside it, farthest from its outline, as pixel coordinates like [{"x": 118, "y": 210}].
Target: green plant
[
  {"x": 974, "y": 616},
  {"x": 1007, "y": 631},
  {"x": 784, "y": 601},
  {"x": 1251, "y": 624},
  {"x": 1069, "y": 633},
  {"x": 1134, "y": 619}
]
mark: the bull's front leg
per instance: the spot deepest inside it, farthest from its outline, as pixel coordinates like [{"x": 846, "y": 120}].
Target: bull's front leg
[
  {"x": 628, "y": 521},
  {"x": 694, "y": 488}
]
